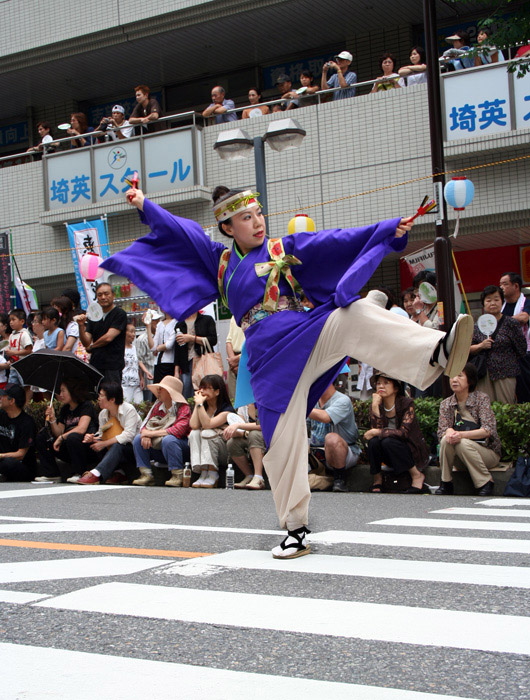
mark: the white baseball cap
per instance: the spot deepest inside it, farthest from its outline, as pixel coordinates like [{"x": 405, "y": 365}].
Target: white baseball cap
[
  {"x": 346, "y": 55},
  {"x": 118, "y": 108}
]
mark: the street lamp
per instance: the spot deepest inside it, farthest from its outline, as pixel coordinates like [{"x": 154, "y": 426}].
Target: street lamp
[{"x": 281, "y": 135}]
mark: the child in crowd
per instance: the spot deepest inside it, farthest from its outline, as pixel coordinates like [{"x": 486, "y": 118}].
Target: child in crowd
[
  {"x": 38, "y": 344},
  {"x": 65, "y": 307},
  {"x": 5, "y": 329},
  {"x": 53, "y": 335},
  {"x": 20, "y": 344},
  {"x": 131, "y": 381}
]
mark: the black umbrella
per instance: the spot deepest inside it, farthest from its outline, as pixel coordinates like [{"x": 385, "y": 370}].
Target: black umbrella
[{"x": 48, "y": 369}]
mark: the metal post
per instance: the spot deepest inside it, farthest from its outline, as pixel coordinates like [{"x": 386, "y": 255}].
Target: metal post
[
  {"x": 442, "y": 244},
  {"x": 261, "y": 177}
]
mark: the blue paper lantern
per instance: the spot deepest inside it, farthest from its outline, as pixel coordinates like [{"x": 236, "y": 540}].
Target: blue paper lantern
[{"x": 459, "y": 193}]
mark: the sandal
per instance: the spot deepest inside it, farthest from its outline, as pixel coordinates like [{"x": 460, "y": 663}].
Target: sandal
[
  {"x": 376, "y": 488},
  {"x": 414, "y": 489},
  {"x": 293, "y": 545}
]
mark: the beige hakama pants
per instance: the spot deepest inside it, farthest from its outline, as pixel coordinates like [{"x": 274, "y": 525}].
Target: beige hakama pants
[{"x": 363, "y": 330}]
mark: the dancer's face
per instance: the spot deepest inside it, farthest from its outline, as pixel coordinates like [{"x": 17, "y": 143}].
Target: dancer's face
[{"x": 247, "y": 228}]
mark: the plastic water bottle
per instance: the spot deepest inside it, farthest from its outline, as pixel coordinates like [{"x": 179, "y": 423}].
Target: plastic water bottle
[
  {"x": 230, "y": 477},
  {"x": 186, "y": 476}
]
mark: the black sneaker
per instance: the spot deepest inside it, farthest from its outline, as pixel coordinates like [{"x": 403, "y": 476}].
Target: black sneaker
[
  {"x": 339, "y": 485},
  {"x": 445, "y": 489}
]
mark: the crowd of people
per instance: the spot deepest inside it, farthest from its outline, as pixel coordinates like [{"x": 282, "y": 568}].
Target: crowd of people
[{"x": 107, "y": 441}]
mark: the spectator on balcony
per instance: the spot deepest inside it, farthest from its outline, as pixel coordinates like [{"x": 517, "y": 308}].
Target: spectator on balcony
[
  {"x": 523, "y": 51},
  {"x": 343, "y": 77},
  {"x": 255, "y": 109},
  {"x": 78, "y": 127},
  {"x": 416, "y": 72},
  {"x": 46, "y": 139},
  {"x": 390, "y": 79},
  {"x": 218, "y": 109},
  {"x": 458, "y": 57},
  {"x": 503, "y": 350},
  {"x": 290, "y": 97},
  {"x": 146, "y": 112},
  {"x": 117, "y": 119},
  {"x": 487, "y": 54},
  {"x": 307, "y": 90}
]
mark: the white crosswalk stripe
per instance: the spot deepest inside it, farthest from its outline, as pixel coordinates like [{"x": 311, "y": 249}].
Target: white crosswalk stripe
[
  {"x": 454, "y": 524},
  {"x": 491, "y": 512}
]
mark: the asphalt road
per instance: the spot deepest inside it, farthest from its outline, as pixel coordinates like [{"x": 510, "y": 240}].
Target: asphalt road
[{"x": 158, "y": 592}]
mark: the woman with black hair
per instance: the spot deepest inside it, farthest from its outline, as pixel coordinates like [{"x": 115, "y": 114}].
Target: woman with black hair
[
  {"x": 416, "y": 72},
  {"x": 65, "y": 306},
  {"x": 207, "y": 422},
  {"x": 395, "y": 436},
  {"x": 76, "y": 418},
  {"x": 390, "y": 79},
  {"x": 255, "y": 109}
]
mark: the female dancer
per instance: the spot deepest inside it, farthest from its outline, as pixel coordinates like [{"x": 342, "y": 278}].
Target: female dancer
[{"x": 293, "y": 355}]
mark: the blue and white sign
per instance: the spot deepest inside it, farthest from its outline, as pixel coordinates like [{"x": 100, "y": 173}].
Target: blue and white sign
[
  {"x": 87, "y": 237},
  {"x": 477, "y": 103},
  {"x": 13, "y": 134},
  {"x": 113, "y": 163},
  {"x": 168, "y": 160},
  {"x": 521, "y": 91},
  {"x": 69, "y": 179}
]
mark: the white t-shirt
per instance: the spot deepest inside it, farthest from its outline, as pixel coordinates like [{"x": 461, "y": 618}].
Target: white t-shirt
[
  {"x": 127, "y": 132},
  {"x": 416, "y": 78},
  {"x": 72, "y": 331},
  {"x": 129, "y": 375},
  {"x": 3, "y": 374}
]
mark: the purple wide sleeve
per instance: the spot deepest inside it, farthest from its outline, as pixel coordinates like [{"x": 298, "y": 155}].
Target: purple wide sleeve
[
  {"x": 338, "y": 263},
  {"x": 176, "y": 264}
]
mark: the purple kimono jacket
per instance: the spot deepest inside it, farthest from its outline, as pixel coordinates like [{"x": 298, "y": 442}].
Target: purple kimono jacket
[{"x": 177, "y": 265}]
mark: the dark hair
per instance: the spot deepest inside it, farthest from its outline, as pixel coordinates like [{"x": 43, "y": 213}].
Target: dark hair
[
  {"x": 20, "y": 395},
  {"x": 4, "y": 318},
  {"x": 66, "y": 310},
  {"x": 143, "y": 88},
  {"x": 219, "y": 192},
  {"x": 307, "y": 74},
  {"x": 491, "y": 289},
  {"x": 112, "y": 390},
  {"x": 464, "y": 36},
  {"x": 485, "y": 30},
  {"x": 217, "y": 384},
  {"x": 72, "y": 294},
  {"x": 77, "y": 388},
  {"x": 386, "y": 55},
  {"x": 104, "y": 284},
  {"x": 514, "y": 278},
  {"x": 424, "y": 276},
  {"x": 45, "y": 125},
  {"x": 256, "y": 90},
  {"x": 409, "y": 290},
  {"x": 421, "y": 51},
  {"x": 18, "y": 313},
  {"x": 221, "y": 198},
  {"x": 397, "y": 384},
  {"x": 472, "y": 375},
  {"x": 37, "y": 316},
  {"x": 52, "y": 314},
  {"x": 390, "y": 296},
  {"x": 82, "y": 119}
]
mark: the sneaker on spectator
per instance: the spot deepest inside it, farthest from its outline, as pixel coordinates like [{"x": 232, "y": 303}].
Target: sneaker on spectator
[
  {"x": 73, "y": 479},
  {"x": 47, "y": 479},
  {"x": 257, "y": 483},
  {"x": 116, "y": 479},
  {"x": 146, "y": 478},
  {"x": 88, "y": 479},
  {"x": 243, "y": 484}
]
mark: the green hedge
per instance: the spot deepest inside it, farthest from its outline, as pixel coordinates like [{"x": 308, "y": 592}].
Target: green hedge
[{"x": 513, "y": 423}]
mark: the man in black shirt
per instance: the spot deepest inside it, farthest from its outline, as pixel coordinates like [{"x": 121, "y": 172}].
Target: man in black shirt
[
  {"x": 105, "y": 339},
  {"x": 147, "y": 111},
  {"x": 517, "y": 306},
  {"x": 17, "y": 436}
]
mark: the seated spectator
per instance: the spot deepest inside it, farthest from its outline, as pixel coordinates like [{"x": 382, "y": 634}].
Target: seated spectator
[
  {"x": 163, "y": 433},
  {"x": 17, "y": 436},
  {"x": 333, "y": 427},
  {"x": 65, "y": 307},
  {"x": 290, "y": 97},
  {"x": 109, "y": 124},
  {"x": 395, "y": 436},
  {"x": 503, "y": 350},
  {"x": 146, "y": 359},
  {"x": 208, "y": 421},
  {"x": 342, "y": 78},
  {"x": 234, "y": 345},
  {"x": 79, "y": 127},
  {"x": 162, "y": 344},
  {"x": 191, "y": 338},
  {"x": 46, "y": 139},
  {"x": 131, "y": 380},
  {"x": 390, "y": 79},
  {"x": 487, "y": 54},
  {"x": 458, "y": 58},
  {"x": 244, "y": 439},
  {"x": 20, "y": 344},
  {"x": 219, "y": 107},
  {"x": 255, "y": 109},
  {"x": 467, "y": 431},
  {"x": 416, "y": 72},
  {"x": 65, "y": 439},
  {"x": 407, "y": 299},
  {"x": 53, "y": 334},
  {"x": 146, "y": 112},
  {"x": 307, "y": 90},
  {"x": 119, "y": 424}
]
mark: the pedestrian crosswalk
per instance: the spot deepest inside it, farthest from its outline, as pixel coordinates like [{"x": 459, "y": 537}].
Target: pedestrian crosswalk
[{"x": 201, "y": 593}]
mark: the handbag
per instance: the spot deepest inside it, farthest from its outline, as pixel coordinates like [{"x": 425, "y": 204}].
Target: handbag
[
  {"x": 519, "y": 484},
  {"x": 208, "y": 363},
  {"x": 463, "y": 425}
]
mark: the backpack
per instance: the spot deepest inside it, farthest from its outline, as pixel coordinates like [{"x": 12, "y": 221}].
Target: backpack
[{"x": 519, "y": 484}]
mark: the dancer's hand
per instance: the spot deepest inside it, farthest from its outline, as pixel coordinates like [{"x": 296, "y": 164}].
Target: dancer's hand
[
  {"x": 136, "y": 197},
  {"x": 404, "y": 227}
]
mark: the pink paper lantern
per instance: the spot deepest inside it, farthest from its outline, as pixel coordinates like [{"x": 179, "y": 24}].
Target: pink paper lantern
[{"x": 89, "y": 266}]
